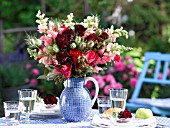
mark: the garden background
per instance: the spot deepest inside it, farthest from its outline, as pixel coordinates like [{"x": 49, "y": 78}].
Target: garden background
[{"x": 148, "y": 24}]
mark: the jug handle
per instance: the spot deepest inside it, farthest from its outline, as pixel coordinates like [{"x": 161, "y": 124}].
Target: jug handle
[{"x": 96, "y": 88}]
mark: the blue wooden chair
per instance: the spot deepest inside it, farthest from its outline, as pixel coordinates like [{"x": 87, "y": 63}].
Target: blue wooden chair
[{"x": 158, "y": 106}]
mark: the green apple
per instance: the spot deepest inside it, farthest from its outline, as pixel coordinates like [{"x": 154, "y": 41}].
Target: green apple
[{"x": 144, "y": 113}]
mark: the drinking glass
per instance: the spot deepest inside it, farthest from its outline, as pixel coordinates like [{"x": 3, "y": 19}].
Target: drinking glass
[
  {"x": 12, "y": 113},
  {"x": 118, "y": 98},
  {"x": 103, "y": 103},
  {"x": 27, "y": 99}
]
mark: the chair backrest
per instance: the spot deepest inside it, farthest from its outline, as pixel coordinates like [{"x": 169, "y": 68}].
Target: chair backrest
[{"x": 162, "y": 64}]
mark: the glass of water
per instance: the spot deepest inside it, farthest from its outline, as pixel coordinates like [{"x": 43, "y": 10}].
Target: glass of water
[
  {"x": 118, "y": 98},
  {"x": 27, "y": 99},
  {"x": 12, "y": 113},
  {"x": 103, "y": 103}
]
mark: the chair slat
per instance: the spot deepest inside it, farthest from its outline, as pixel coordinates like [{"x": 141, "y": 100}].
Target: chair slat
[
  {"x": 157, "y": 69},
  {"x": 140, "y": 80},
  {"x": 165, "y": 71}
]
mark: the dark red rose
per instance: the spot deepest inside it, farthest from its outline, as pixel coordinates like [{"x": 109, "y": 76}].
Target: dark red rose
[
  {"x": 79, "y": 29},
  {"x": 104, "y": 35},
  {"x": 78, "y": 66},
  {"x": 127, "y": 114},
  {"x": 116, "y": 58},
  {"x": 65, "y": 38},
  {"x": 91, "y": 57},
  {"x": 94, "y": 37},
  {"x": 62, "y": 57},
  {"x": 75, "y": 53},
  {"x": 50, "y": 99}
]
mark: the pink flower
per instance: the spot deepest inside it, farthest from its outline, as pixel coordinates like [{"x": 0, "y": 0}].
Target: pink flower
[
  {"x": 128, "y": 58},
  {"x": 149, "y": 71},
  {"x": 106, "y": 89},
  {"x": 111, "y": 69},
  {"x": 45, "y": 60},
  {"x": 88, "y": 84},
  {"x": 51, "y": 33},
  {"x": 160, "y": 76},
  {"x": 97, "y": 69},
  {"x": 120, "y": 66},
  {"x": 168, "y": 71},
  {"x": 133, "y": 82},
  {"x": 131, "y": 65},
  {"x": 101, "y": 83},
  {"x": 125, "y": 77},
  {"x": 28, "y": 66},
  {"x": 110, "y": 47},
  {"x": 88, "y": 32},
  {"x": 91, "y": 56},
  {"x": 34, "y": 82},
  {"x": 62, "y": 29},
  {"x": 135, "y": 72},
  {"x": 47, "y": 40},
  {"x": 35, "y": 72},
  {"x": 97, "y": 77},
  {"x": 109, "y": 78},
  {"x": 27, "y": 80},
  {"x": 101, "y": 51},
  {"x": 118, "y": 85},
  {"x": 42, "y": 89},
  {"x": 92, "y": 92},
  {"x": 42, "y": 28}
]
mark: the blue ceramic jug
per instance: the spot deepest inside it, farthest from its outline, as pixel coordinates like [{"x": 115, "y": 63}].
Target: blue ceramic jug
[{"x": 75, "y": 99}]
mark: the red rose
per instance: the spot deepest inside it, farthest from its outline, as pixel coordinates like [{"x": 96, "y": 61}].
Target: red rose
[
  {"x": 91, "y": 57},
  {"x": 78, "y": 66},
  {"x": 50, "y": 99},
  {"x": 117, "y": 58},
  {"x": 62, "y": 57},
  {"x": 80, "y": 29},
  {"x": 75, "y": 53},
  {"x": 65, "y": 38},
  {"x": 65, "y": 70},
  {"x": 94, "y": 37},
  {"x": 127, "y": 114},
  {"x": 104, "y": 35}
]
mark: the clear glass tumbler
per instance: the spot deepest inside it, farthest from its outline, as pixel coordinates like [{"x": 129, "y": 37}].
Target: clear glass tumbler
[
  {"x": 12, "y": 112},
  {"x": 27, "y": 99},
  {"x": 103, "y": 103},
  {"x": 118, "y": 98}
]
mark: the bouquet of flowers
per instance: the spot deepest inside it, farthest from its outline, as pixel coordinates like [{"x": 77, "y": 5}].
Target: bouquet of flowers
[{"x": 67, "y": 48}]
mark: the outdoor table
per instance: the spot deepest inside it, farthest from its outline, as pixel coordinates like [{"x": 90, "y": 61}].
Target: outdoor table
[{"x": 59, "y": 122}]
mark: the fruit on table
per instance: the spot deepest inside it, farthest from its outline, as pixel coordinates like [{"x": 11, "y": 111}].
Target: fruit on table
[{"x": 144, "y": 113}]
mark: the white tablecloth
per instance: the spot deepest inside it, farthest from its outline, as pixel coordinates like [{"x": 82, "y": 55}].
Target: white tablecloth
[{"x": 59, "y": 122}]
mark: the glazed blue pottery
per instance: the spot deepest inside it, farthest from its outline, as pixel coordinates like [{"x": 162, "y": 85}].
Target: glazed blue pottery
[{"x": 75, "y": 99}]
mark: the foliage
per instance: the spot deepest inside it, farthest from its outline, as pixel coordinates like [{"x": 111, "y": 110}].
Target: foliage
[
  {"x": 70, "y": 49},
  {"x": 151, "y": 20}
]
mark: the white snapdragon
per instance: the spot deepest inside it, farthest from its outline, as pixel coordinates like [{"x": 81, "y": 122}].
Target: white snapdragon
[
  {"x": 69, "y": 22},
  {"x": 91, "y": 21},
  {"x": 38, "y": 42},
  {"x": 70, "y": 17},
  {"x": 42, "y": 22}
]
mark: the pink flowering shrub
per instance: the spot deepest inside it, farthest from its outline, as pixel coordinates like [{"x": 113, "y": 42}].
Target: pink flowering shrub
[
  {"x": 123, "y": 74},
  {"x": 32, "y": 74}
]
